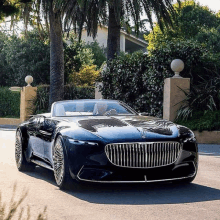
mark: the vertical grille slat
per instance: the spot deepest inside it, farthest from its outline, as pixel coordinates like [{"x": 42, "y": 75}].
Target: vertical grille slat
[
  {"x": 168, "y": 153},
  {"x": 173, "y": 154},
  {"x": 160, "y": 162},
  {"x": 127, "y": 155},
  {"x": 143, "y": 155}
]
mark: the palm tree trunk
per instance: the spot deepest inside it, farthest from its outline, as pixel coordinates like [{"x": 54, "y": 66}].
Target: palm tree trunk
[
  {"x": 56, "y": 58},
  {"x": 114, "y": 28}
]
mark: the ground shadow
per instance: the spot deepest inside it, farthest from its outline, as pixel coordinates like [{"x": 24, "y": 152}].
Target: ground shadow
[
  {"x": 43, "y": 174},
  {"x": 134, "y": 194}
]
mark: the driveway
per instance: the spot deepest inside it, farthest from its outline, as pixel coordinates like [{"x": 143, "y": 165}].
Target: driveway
[{"x": 199, "y": 200}]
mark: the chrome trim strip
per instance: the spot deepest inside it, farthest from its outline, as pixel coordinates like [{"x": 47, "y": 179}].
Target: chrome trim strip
[
  {"x": 148, "y": 181},
  {"x": 45, "y": 132},
  {"x": 132, "y": 152},
  {"x": 144, "y": 181},
  {"x": 42, "y": 164}
]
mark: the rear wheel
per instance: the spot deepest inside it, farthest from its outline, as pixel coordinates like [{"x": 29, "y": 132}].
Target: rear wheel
[
  {"x": 60, "y": 162},
  {"x": 20, "y": 159}
]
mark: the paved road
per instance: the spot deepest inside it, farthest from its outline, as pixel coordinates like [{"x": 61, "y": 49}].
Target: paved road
[{"x": 200, "y": 200}]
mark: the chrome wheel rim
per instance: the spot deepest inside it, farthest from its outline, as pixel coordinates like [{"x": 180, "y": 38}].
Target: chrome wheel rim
[
  {"x": 58, "y": 160},
  {"x": 18, "y": 150}
]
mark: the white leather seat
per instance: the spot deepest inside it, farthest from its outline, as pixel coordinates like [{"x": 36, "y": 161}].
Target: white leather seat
[{"x": 100, "y": 108}]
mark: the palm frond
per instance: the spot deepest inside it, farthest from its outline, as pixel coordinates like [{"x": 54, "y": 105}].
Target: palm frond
[{"x": 203, "y": 97}]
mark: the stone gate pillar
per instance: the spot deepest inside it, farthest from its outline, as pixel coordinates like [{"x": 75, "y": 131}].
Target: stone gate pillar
[
  {"x": 28, "y": 94},
  {"x": 173, "y": 91},
  {"x": 98, "y": 94}
]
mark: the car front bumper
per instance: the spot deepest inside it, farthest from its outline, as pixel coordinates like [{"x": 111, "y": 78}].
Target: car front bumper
[
  {"x": 89, "y": 163},
  {"x": 160, "y": 174}
]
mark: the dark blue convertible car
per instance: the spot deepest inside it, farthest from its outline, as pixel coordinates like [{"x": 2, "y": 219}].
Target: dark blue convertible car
[{"x": 106, "y": 141}]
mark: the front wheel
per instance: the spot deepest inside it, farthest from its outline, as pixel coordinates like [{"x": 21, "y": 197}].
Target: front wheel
[
  {"x": 20, "y": 159},
  {"x": 60, "y": 164}
]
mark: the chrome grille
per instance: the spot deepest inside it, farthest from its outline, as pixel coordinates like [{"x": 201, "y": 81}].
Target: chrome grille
[{"x": 143, "y": 155}]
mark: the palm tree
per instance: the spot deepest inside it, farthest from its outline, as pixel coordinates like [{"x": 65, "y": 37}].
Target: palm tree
[
  {"x": 10, "y": 7},
  {"x": 93, "y": 12},
  {"x": 53, "y": 14},
  {"x": 122, "y": 11},
  {"x": 56, "y": 54}
]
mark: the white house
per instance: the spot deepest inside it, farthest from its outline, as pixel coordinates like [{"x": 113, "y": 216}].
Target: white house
[{"x": 128, "y": 43}]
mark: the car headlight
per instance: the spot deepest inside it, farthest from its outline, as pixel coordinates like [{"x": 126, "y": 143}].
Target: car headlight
[
  {"x": 73, "y": 141},
  {"x": 185, "y": 132}
]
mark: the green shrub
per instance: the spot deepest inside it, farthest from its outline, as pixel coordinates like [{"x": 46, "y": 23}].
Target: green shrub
[
  {"x": 138, "y": 78},
  {"x": 76, "y": 55},
  {"x": 202, "y": 120},
  {"x": 201, "y": 108},
  {"x": 202, "y": 97},
  {"x": 9, "y": 103},
  {"x": 70, "y": 92},
  {"x": 192, "y": 21},
  {"x": 80, "y": 92},
  {"x": 86, "y": 76},
  {"x": 98, "y": 53},
  {"x": 22, "y": 56}
]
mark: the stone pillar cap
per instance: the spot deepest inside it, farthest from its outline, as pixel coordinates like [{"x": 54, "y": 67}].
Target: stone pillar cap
[
  {"x": 29, "y": 79},
  {"x": 177, "y": 66}
]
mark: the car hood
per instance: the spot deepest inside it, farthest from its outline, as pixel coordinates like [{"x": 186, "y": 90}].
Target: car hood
[{"x": 129, "y": 128}]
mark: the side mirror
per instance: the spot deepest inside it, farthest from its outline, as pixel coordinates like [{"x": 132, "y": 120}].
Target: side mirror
[{"x": 41, "y": 122}]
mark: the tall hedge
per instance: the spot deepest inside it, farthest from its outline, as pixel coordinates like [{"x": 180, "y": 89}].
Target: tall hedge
[
  {"x": 70, "y": 92},
  {"x": 138, "y": 78},
  {"x": 9, "y": 103}
]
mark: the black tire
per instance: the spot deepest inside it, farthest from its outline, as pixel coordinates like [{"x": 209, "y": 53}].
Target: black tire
[
  {"x": 20, "y": 159},
  {"x": 60, "y": 164}
]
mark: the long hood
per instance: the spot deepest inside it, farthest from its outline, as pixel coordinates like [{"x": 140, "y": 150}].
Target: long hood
[{"x": 129, "y": 128}]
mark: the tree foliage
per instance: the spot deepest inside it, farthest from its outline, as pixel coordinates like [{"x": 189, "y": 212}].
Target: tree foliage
[
  {"x": 7, "y": 8},
  {"x": 78, "y": 12},
  {"x": 86, "y": 76},
  {"x": 116, "y": 14},
  {"x": 9, "y": 107},
  {"x": 200, "y": 27},
  {"x": 76, "y": 56},
  {"x": 138, "y": 78},
  {"x": 70, "y": 92},
  {"x": 24, "y": 56},
  {"x": 29, "y": 55},
  {"x": 193, "y": 21},
  {"x": 98, "y": 53},
  {"x": 79, "y": 62}
]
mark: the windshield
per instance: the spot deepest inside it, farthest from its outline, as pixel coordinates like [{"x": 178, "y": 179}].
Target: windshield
[{"x": 90, "y": 107}]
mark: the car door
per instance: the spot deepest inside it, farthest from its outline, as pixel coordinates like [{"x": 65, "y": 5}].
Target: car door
[
  {"x": 47, "y": 128},
  {"x": 35, "y": 142}
]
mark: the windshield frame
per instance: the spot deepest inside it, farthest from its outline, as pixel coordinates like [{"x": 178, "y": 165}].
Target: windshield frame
[{"x": 120, "y": 103}]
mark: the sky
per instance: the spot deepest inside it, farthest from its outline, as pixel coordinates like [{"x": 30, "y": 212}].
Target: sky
[{"x": 214, "y": 5}]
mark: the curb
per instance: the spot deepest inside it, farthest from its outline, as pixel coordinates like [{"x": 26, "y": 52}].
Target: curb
[{"x": 8, "y": 127}]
